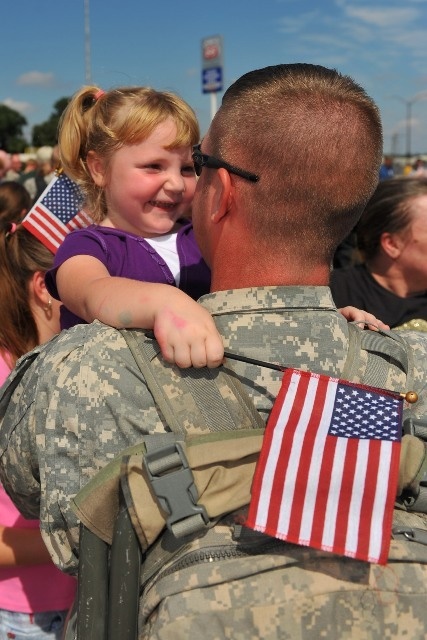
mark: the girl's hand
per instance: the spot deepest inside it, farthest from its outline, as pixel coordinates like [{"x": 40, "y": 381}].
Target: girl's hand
[
  {"x": 186, "y": 333},
  {"x": 352, "y": 314}
]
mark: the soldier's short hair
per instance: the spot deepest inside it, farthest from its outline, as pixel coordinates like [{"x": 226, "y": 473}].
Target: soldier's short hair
[{"x": 314, "y": 137}]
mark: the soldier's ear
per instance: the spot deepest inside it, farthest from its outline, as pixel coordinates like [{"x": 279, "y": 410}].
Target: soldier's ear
[{"x": 224, "y": 196}]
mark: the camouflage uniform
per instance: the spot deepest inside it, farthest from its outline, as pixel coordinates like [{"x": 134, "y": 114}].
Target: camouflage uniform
[{"x": 84, "y": 399}]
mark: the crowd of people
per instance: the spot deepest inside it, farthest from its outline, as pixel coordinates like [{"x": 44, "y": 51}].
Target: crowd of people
[
  {"x": 34, "y": 172},
  {"x": 223, "y": 246}
]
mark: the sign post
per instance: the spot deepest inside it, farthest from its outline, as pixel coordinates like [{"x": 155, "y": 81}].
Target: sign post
[{"x": 212, "y": 69}]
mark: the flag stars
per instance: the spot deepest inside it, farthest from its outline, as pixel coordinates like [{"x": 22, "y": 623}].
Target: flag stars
[{"x": 364, "y": 414}]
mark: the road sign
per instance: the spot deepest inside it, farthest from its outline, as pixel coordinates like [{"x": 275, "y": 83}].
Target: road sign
[
  {"x": 212, "y": 79},
  {"x": 212, "y": 64}
]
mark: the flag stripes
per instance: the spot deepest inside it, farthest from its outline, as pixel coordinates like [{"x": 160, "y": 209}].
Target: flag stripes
[{"x": 328, "y": 468}]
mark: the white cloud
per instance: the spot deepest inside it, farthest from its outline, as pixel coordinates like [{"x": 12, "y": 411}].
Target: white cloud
[
  {"x": 380, "y": 17},
  {"x": 36, "y": 78},
  {"x": 21, "y": 107},
  {"x": 351, "y": 26},
  {"x": 295, "y": 24}
]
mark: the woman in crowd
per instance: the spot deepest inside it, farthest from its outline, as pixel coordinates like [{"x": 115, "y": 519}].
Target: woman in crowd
[
  {"x": 34, "y": 595},
  {"x": 391, "y": 281}
]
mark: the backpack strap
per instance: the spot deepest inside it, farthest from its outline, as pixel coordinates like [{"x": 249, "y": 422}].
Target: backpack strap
[
  {"x": 367, "y": 352},
  {"x": 199, "y": 401},
  {"x": 14, "y": 379}
]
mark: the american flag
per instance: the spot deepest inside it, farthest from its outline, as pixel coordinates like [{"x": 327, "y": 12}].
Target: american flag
[
  {"x": 328, "y": 468},
  {"x": 57, "y": 212}
]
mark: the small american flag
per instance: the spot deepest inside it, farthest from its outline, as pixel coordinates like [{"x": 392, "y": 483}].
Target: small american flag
[
  {"x": 57, "y": 212},
  {"x": 328, "y": 468}
]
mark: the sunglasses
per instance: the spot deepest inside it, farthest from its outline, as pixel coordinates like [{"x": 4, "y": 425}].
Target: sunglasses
[{"x": 201, "y": 160}]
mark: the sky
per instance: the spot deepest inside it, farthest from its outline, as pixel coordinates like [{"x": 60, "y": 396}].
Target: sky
[{"x": 53, "y": 47}]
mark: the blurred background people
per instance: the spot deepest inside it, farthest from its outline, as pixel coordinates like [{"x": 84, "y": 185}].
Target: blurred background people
[
  {"x": 15, "y": 201},
  {"x": 391, "y": 281},
  {"x": 387, "y": 168},
  {"x": 4, "y": 164},
  {"x": 16, "y": 164},
  {"x": 34, "y": 595},
  {"x": 419, "y": 169},
  {"x": 28, "y": 169},
  {"x": 46, "y": 164}
]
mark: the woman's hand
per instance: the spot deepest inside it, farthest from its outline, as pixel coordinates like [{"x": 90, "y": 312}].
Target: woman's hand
[{"x": 352, "y": 314}]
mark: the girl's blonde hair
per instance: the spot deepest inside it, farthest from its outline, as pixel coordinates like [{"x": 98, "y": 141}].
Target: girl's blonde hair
[{"x": 104, "y": 122}]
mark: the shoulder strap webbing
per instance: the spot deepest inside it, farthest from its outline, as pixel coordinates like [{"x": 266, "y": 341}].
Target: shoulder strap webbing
[
  {"x": 196, "y": 401},
  {"x": 367, "y": 353},
  {"x": 14, "y": 379}
]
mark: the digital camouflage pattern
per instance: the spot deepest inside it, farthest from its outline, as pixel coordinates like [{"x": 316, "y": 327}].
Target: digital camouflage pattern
[
  {"x": 286, "y": 592},
  {"x": 83, "y": 400}
]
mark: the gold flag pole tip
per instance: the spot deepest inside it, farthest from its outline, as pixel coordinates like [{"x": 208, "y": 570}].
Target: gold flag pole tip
[{"x": 410, "y": 396}]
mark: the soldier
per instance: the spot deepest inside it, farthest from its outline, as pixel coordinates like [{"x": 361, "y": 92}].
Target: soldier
[{"x": 286, "y": 168}]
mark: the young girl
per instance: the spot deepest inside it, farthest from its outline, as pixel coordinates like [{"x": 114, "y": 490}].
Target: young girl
[{"x": 129, "y": 149}]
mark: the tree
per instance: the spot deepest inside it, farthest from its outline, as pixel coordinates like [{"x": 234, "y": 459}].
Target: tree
[
  {"x": 46, "y": 133},
  {"x": 11, "y": 125}
]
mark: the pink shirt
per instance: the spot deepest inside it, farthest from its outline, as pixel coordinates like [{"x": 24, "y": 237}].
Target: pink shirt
[
  {"x": 4, "y": 370},
  {"x": 36, "y": 588}
]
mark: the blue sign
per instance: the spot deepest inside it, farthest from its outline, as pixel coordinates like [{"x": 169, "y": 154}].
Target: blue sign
[{"x": 212, "y": 80}]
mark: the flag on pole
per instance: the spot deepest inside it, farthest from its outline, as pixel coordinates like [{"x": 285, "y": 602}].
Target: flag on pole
[
  {"x": 328, "y": 468},
  {"x": 57, "y": 212}
]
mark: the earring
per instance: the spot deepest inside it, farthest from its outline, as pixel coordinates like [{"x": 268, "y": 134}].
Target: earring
[{"x": 48, "y": 307}]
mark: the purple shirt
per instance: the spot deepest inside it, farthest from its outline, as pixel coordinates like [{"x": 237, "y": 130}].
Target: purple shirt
[{"x": 130, "y": 256}]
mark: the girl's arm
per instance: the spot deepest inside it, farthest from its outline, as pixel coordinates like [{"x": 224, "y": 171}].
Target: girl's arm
[{"x": 185, "y": 331}]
